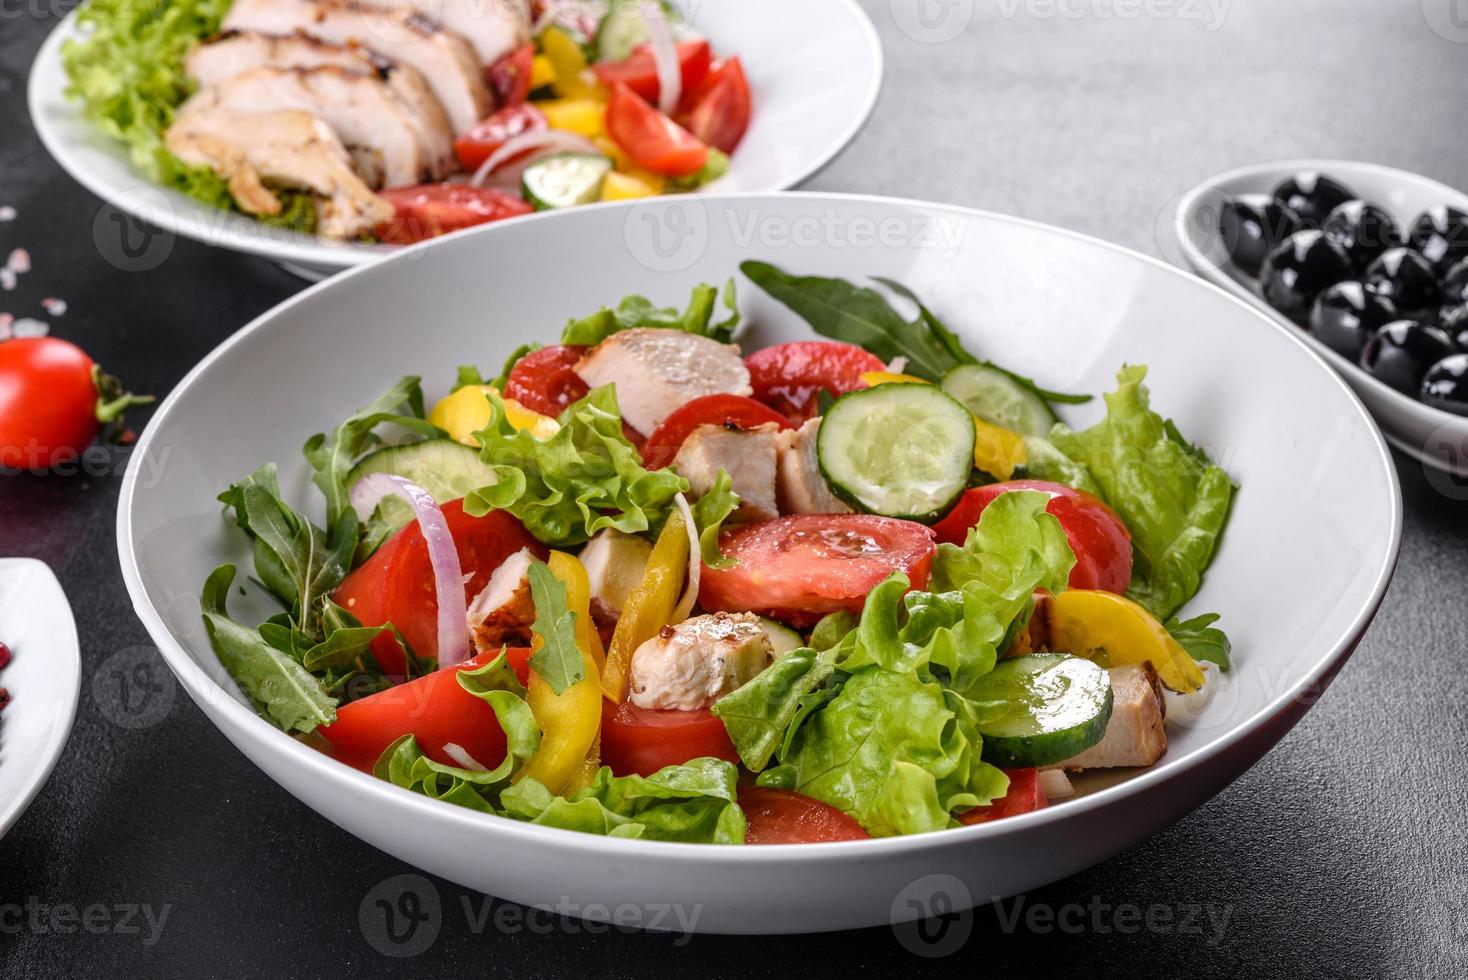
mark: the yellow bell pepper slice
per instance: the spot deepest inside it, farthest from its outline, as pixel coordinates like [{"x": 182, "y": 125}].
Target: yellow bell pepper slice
[
  {"x": 572, "y": 80},
  {"x": 997, "y": 450},
  {"x": 466, "y": 411},
  {"x": 649, "y": 607},
  {"x": 585, "y": 117},
  {"x": 542, "y": 72},
  {"x": 625, "y": 187},
  {"x": 570, "y": 721},
  {"x": 1114, "y": 631}
]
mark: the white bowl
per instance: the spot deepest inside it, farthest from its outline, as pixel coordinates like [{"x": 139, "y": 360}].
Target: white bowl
[
  {"x": 815, "y": 68},
  {"x": 43, "y": 678},
  {"x": 1427, "y": 434},
  {"x": 1310, "y": 548}
]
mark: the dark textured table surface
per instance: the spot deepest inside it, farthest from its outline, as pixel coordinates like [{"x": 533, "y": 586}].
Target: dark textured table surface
[{"x": 1343, "y": 853}]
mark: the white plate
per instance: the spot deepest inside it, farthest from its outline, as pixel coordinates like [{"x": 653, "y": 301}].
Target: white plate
[
  {"x": 815, "y": 67},
  {"x": 1310, "y": 547},
  {"x": 44, "y": 678},
  {"x": 1435, "y": 437}
]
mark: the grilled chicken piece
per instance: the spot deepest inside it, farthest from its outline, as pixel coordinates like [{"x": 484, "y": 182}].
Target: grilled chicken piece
[
  {"x": 1136, "y": 734},
  {"x": 749, "y": 457},
  {"x": 216, "y": 61},
  {"x": 493, "y": 29},
  {"x": 691, "y": 665},
  {"x": 289, "y": 148},
  {"x": 504, "y": 610},
  {"x": 801, "y": 488},
  {"x": 658, "y": 370},
  {"x": 375, "y": 127},
  {"x": 445, "y": 60},
  {"x": 615, "y": 563}
]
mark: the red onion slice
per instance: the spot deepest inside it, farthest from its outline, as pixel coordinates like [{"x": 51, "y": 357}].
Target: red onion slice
[
  {"x": 448, "y": 575},
  {"x": 665, "y": 55},
  {"x": 695, "y": 564},
  {"x": 545, "y": 141}
]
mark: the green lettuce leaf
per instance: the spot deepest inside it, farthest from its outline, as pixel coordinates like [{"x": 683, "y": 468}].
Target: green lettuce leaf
[
  {"x": 584, "y": 478},
  {"x": 1172, "y": 498},
  {"x": 639, "y": 311},
  {"x": 758, "y": 714},
  {"x": 709, "y": 513}
]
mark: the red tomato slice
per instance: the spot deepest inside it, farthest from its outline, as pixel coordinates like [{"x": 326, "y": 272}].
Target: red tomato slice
[
  {"x": 430, "y": 210},
  {"x": 650, "y": 138},
  {"x": 1024, "y": 796},
  {"x": 642, "y": 741},
  {"x": 509, "y": 77},
  {"x": 543, "y": 381},
  {"x": 480, "y": 143},
  {"x": 1101, "y": 542},
  {"x": 433, "y": 709},
  {"x": 639, "y": 72},
  {"x": 788, "y": 376},
  {"x": 718, "y": 111},
  {"x": 800, "y": 568},
  {"x": 396, "y": 584},
  {"x": 778, "y": 816},
  {"x": 732, "y": 410}
]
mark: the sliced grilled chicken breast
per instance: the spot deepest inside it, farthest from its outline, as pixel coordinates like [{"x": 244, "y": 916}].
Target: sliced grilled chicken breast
[
  {"x": 1136, "y": 735},
  {"x": 446, "y": 61},
  {"x": 657, "y": 370},
  {"x": 375, "y": 127},
  {"x": 221, "y": 58},
  {"x": 493, "y": 27},
  {"x": 290, "y": 148}
]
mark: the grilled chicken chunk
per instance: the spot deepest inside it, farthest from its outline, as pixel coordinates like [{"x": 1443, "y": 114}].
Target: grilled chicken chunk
[
  {"x": 504, "y": 610},
  {"x": 615, "y": 563},
  {"x": 658, "y": 370},
  {"x": 445, "y": 60},
  {"x": 749, "y": 457},
  {"x": 493, "y": 28},
  {"x": 289, "y": 148},
  {"x": 216, "y": 61},
  {"x": 691, "y": 665},
  {"x": 1136, "y": 734},
  {"x": 375, "y": 127},
  {"x": 801, "y": 489}
]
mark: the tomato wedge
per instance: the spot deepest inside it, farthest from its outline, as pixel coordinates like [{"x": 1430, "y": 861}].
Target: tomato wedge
[
  {"x": 650, "y": 138},
  {"x": 779, "y": 816},
  {"x": 509, "y": 78},
  {"x": 430, "y": 210},
  {"x": 1024, "y": 796},
  {"x": 543, "y": 381},
  {"x": 799, "y": 568},
  {"x": 718, "y": 111},
  {"x": 787, "y": 377},
  {"x": 731, "y": 410},
  {"x": 642, "y": 741},
  {"x": 396, "y": 584},
  {"x": 433, "y": 709},
  {"x": 1101, "y": 542},
  {"x": 481, "y": 142},
  {"x": 639, "y": 71}
]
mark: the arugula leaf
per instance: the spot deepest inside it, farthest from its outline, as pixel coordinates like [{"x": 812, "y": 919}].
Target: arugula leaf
[
  {"x": 639, "y": 311},
  {"x": 1202, "y": 640},
  {"x": 468, "y": 376},
  {"x": 558, "y": 661},
  {"x": 709, "y": 513},
  {"x": 584, "y": 478},
  {"x": 333, "y": 459},
  {"x": 280, "y": 687}
]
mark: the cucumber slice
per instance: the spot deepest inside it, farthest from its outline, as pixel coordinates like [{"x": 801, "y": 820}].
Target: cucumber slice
[
  {"x": 1042, "y": 709},
  {"x": 564, "y": 180},
  {"x": 998, "y": 399},
  {"x": 899, "y": 450},
  {"x": 448, "y": 470},
  {"x": 624, "y": 28},
  {"x": 783, "y": 639}
]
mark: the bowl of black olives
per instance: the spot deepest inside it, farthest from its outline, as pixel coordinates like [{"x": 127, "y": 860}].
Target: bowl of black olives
[{"x": 1366, "y": 264}]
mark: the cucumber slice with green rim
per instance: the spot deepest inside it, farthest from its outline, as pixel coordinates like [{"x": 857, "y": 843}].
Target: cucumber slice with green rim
[
  {"x": 448, "y": 470},
  {"x": 621, "y": 30},
  {"x": 899, "y": 450},
  {"x": 998, "y": 399},
  {"x": 564, "y": 180},
  {"x": 783, "y": 639},
  {"x": 1042, "y": 709}
]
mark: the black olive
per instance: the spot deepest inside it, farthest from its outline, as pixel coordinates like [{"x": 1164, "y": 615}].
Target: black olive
[
  {"x": 1446, "y": 385},
  {"x": 1453, "y": 321},
  {"x": 1347, "y": 315},
  {"x": 1251, "y": 225},
  {"x": 1299, "y": 269},
  {"x": 1406, "y": 278},
  {"x": 1400, "y": 353},
  {"x": 1441, "y": 235},
  {"x": 1312, "y": 195},
  {"x": 1455, "y": 284},
  {"x": 1363, "y": 230}
]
